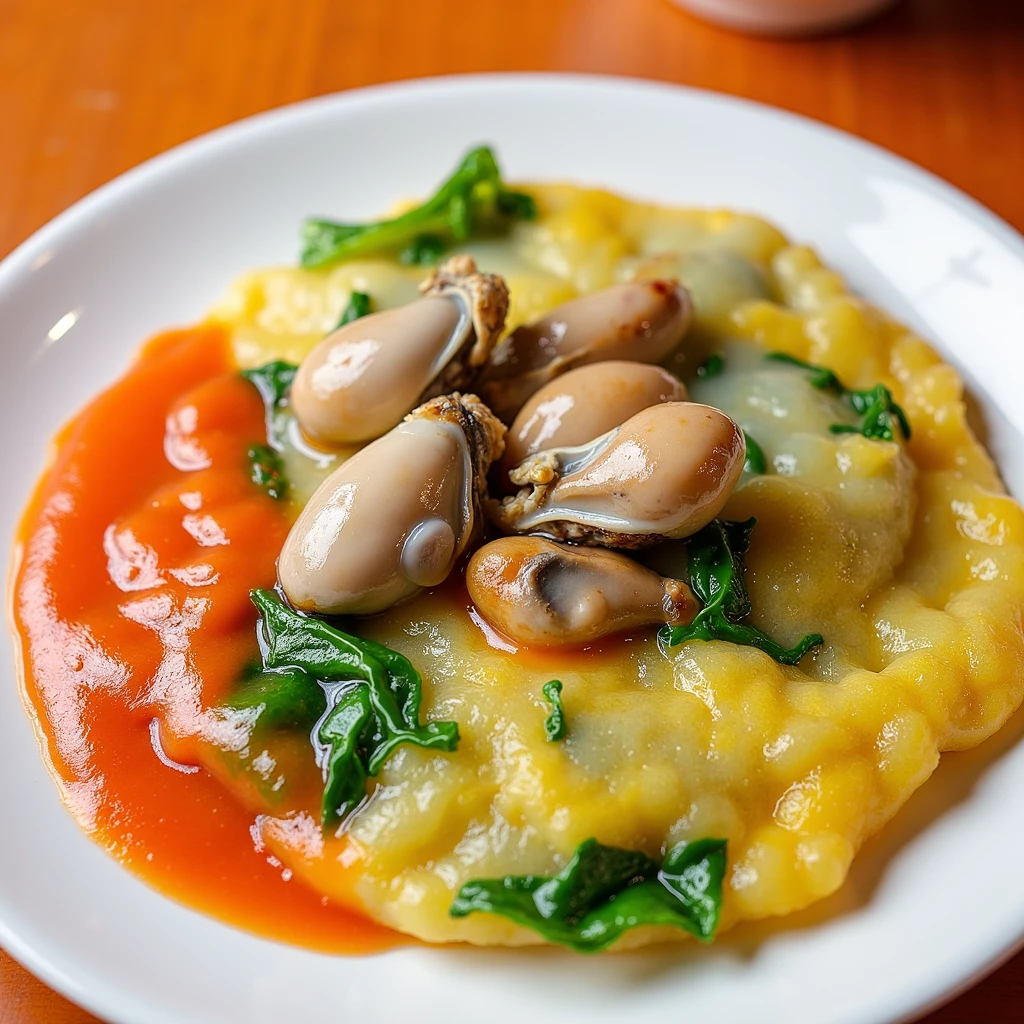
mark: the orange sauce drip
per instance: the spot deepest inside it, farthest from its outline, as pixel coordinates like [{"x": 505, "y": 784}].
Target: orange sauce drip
[{"x": 134, "y": 561}]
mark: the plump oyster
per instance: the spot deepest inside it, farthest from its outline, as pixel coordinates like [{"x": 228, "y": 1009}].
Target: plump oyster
[
  {"x": 362, "y": 379},
  {"x": 395, "y": 517},
  {"x": 664, "y": 473},
  {"x": 539, "y": 593},
  {"x": 642, "y": 321},
  {"x": 585, "y": 403}
]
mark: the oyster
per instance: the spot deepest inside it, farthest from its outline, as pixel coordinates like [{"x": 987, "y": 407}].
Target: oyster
[
  {"x": 585, "y": 403},
  {"x": 395, "y": 517},
  {"x": 664, "y": 473},
  {"x": 642, "y": 321},
  {"x": 361, "y": 380},
  {"x": 539, "y": 593}
]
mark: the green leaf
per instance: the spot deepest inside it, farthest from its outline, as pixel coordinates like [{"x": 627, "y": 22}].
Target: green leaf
[
  {"x": 605, "y": 891},
  {"x": 821, "y": 377},
  {"x": 755, "y": 462},
  {"x": 367, "y": 719},
  {"x": 878, "y": 414},
  {"x": 267, "y": 470},
  {"x": 471, "y": 201},
  {"x": 286, "y": 698},
  {"x": 713, "y": 366},
  {"x": 554, "y": 724},
  {"x": 359, "y": 305},
  {"x": 272, "y": 380},
  {"x": 266, "y": 467},
  {"x": 346, "y": 732},
  {"x": 717, "y": 577},
  {"x": 875, "y": 405},
  {"x": 423, "y": 251}
]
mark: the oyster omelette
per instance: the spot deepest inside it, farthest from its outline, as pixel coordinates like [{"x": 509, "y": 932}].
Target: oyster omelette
[{"x": 530, "y": 566}]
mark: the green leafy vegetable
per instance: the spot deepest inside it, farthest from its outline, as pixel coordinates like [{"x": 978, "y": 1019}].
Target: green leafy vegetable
[
  {"x": 423, "y": 251},
  {"x": 821, "y": 377},
  {"x": 756, "y": 462},
  {"x": 374, "y": 708},
  {"x": 875, "y": 406},
  {"x": 878, "y": 412},
  {"x": 287, "y": 697},
  {"x": 359, "y": 304},
  {"x": 713, "y": 366},
  {"x": 715, "y": 563},
  {"x": 272, "y": 380},
  {"x": 473, "y": 200},
  {"x": 554, "y": 724},
  {"x": 605, "y": 891},
  {"x": 267, "y": 470}
]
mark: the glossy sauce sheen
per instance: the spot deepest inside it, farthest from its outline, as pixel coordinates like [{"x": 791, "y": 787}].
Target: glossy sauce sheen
[{"x": 106, "y": 606}]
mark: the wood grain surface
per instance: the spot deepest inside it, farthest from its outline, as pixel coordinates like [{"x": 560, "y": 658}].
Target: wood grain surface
[{"x": 88, "y": 88}]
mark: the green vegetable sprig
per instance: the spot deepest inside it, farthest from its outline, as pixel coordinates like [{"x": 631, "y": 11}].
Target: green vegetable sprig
[
  {"x": 267, "y": 470},
  {"x": 755, "y": 462},
  {"x": 876, "y": 407},
  {"x": 473, "y": 200},
  {"x": 713, "y": 366},
  {"x": 273, "y": 381},
  {"x": 283, "y": 698},
  {"x": 373, "y": 698},
  {"x": 554, "y": 724},
  {"x": 604, "y": 891},
  {"x": 878, "y": 412},
  {"x": 359, "y": 305},
  {"x": 423, "y": 251},
  {"x": 266, "y": 467},
  {"x": 715, "y": 563}
]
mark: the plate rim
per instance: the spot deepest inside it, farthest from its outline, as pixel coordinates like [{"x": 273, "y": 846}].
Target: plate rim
[{"x": 108, "y": 1002}]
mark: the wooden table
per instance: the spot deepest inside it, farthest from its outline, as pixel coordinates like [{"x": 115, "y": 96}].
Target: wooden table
[{"x": 89, "y": 89}]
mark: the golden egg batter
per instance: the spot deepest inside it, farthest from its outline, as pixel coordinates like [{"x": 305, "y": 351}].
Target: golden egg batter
[{"x": 907, "y": 557}]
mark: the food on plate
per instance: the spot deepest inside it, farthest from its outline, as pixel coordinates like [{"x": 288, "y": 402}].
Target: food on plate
[
  {"x": 530, "y": 565},
  {"x": 584, "y": 404},
  {"x": 364, "y": 377},
  {"x": 539, "y": 593},
  {"x": 395, "y": 517},
  {"x": 643, "y": 321},
  {"x": 661, "y": 475}
]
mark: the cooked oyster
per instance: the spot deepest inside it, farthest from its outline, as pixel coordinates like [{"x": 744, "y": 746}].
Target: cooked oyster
[
  {"x": 537, "y": 592},
  {"x": 642, "y": 321},
  {"x": 361, "y": 380},
  {"x": 395, "y": 517},
  {"x": 665, "y": 473},
  {"x": 585, "y": 403}
]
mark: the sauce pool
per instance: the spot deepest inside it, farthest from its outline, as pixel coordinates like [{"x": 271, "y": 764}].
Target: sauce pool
[{"x": 146, "y": 525}]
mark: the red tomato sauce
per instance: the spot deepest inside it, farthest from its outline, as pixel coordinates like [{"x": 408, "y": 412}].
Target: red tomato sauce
[{"x": 133, "y": 566}]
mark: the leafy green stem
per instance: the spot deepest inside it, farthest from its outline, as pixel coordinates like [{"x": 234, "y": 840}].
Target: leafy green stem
[
  {"x": 374, "y": 697},
  {"x": 717, "y": 577},
  {"x": 473, "y": 199},
  {"x": 554, "y": 724},
  {"x": 878, "y": 410},
  {"x": 604, "y": 891}
]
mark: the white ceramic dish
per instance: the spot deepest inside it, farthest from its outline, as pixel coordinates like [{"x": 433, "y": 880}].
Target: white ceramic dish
[{"x": 935, "y": 901}]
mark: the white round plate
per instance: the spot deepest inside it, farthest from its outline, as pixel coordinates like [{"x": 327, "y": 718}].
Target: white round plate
[{"x": 937, "y": 900}]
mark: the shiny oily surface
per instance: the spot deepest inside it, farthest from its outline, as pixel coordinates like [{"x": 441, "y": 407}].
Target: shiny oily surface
[
  {"x": 640, "y": 320},
  {"x": 538, "y": 593},
  {"x": 585, "y": 403},
  {"x": 663, "y": 474},
  {"x": 909, "y": 559},
  {"x": 360, "y": 381},
  {"x": 388, "y": 521}
]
